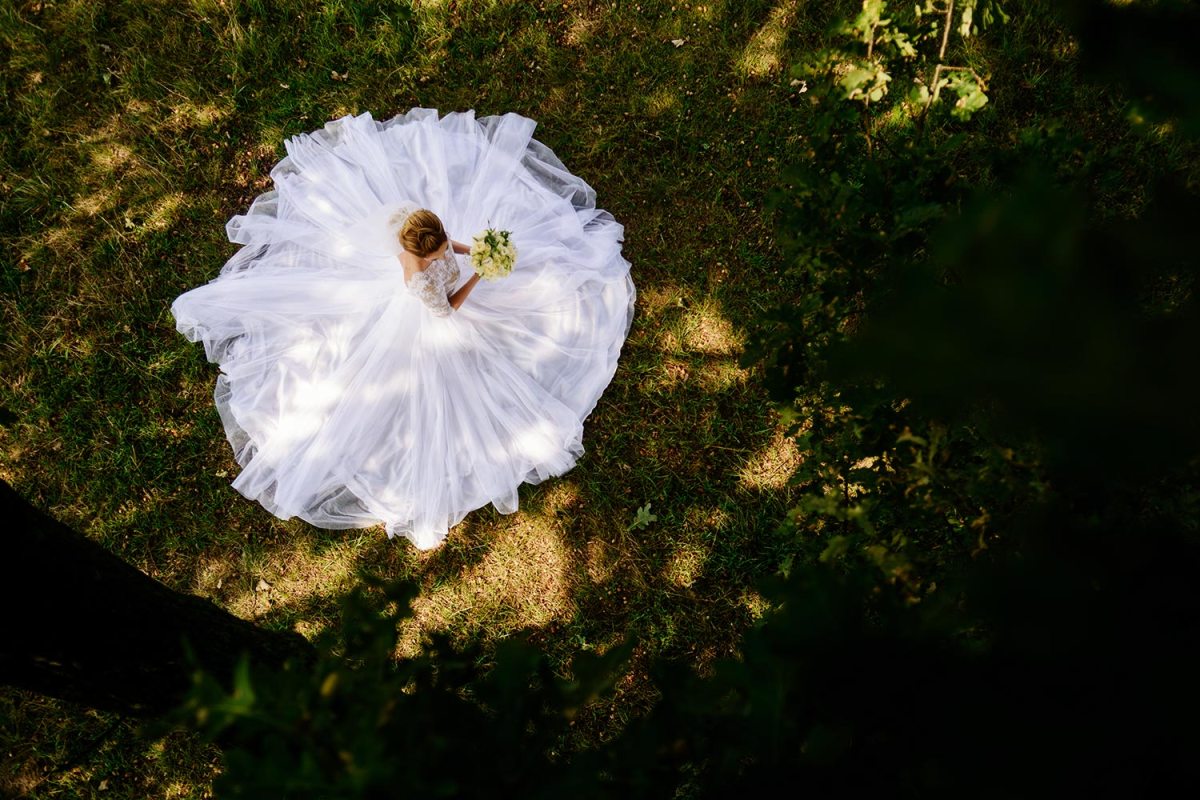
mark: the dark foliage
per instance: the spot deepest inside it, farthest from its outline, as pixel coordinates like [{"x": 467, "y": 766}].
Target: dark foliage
[{"x": 359, "y": 725}]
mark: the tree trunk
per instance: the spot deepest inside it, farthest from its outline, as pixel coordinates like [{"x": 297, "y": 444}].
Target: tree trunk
[{"x": 82, "y": 625}]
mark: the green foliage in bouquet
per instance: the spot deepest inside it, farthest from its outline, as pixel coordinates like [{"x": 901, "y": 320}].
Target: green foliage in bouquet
[{"x": 493, "y": 254}]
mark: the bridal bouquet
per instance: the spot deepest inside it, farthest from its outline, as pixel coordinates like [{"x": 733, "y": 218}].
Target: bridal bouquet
[{"x": 493, "y": 254}]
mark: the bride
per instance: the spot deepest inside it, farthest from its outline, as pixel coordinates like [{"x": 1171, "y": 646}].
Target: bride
[{"x": 363, "y": 380}]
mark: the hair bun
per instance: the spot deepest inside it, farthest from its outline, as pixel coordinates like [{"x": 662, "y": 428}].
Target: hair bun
[{"x": 422, "y": 233}]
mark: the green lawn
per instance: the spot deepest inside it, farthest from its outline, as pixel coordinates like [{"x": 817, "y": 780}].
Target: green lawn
[{"x": 134, "y": 128}]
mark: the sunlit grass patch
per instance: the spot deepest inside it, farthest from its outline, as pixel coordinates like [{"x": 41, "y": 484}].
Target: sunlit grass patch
[
  {"x": 705, "y": 329},
  {"x": 772, "y": 467},
  {"x": 662, "y": 101},
  {"x": 523, "y": 580},
  {"x": 558, "y": 496},
  {"x": 653, "y": 300},
  {"x": 281, "y": 578},
  {"x": 703, "y": 11},
  {"x": 720, "y": 375},
  {"x": 685, "y": 565},
  {"x": 671, "y": 374},
  {"x": 63, "y": 240},
  {"x": 754, "y": 603},
  {"x": 161, "y": 213},
  {"x": 95, "y": 203},
  {"x": 580, "y": 30},
  {"x": 187, "y": 115},
  {"x": 698, "y": 346},
  {"x": 108, "y": 156},
  {"x": 765, "y": 54}
]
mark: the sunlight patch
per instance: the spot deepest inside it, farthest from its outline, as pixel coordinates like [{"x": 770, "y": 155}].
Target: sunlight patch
[
  {"x": 685, "y": 565},
  {"x": 579, "y": 31},
  {"x": 705, "y": 330},
  {"x": 763, "y": 55},
  {"x": 207, "y": 6},
  {"x": 671, "y": 374},
  {"x": 654, "y": 300},
  {"x": 755, "y": 603},
  {"x": 196, "y": 115},
  {"x": 722, "y": 375},
  {"x": 12, "y": 455},
  {"x": 668, "y": 342},
  {"x": 214, "y": 577},
  {"x": 94, "y": 203},
  {"x": 522, "y": 581},
  {"x": 284, "y": 578},
  {"x": 61, "y": 240},
  {"x": 709, "y": 11},
  {"x": 164, "y": 212},
  {"x": 111, "y": 156},
  {"x": 538, "y": 443},
  {"x": 711, "y": 519},
  {"x": 662, "y": 101},
  {"x": 560, "y": 496},
  {"x": 771, "y": 467}
]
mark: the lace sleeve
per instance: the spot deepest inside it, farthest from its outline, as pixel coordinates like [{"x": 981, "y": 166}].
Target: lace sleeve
[{"x": 431, "y": 293}]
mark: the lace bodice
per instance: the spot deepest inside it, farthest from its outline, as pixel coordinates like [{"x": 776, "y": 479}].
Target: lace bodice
[{"x": 433, "y": 284}]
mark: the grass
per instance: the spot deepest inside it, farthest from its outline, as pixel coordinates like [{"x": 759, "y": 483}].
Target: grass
[{"x": 133, "y": 130}]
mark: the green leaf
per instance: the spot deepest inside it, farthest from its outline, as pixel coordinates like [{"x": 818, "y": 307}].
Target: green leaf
[
  {"x": 243, "y": 688},
  {"x": 854, "y": 79},
  {"x": 838, "y": 546},
  {"x": 643, "y": 518}
]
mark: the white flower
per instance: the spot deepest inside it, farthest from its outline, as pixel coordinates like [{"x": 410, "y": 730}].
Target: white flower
[{"x": 493, "y": 254}]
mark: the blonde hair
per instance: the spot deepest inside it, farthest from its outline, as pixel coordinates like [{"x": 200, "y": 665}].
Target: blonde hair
[{"x": 422, "y": 233}]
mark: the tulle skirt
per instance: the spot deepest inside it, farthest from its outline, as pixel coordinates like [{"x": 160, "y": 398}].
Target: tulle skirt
[{"x": 348, "y": 403}]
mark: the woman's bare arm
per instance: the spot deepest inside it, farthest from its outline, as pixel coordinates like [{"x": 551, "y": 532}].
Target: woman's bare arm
[
  {"x": 460, "y": 248},
  {"x": 457, "y": 298}
]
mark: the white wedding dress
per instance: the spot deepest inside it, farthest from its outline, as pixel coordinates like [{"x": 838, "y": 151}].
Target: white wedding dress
[{"x": 352, "y": 398}]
